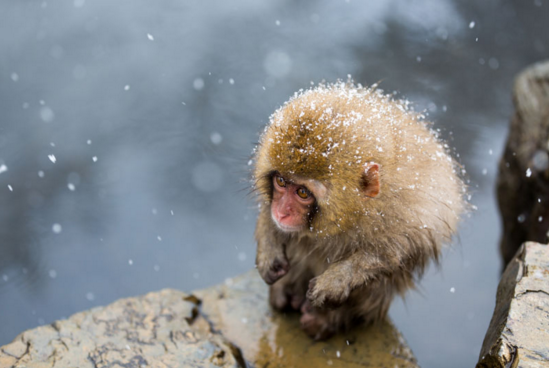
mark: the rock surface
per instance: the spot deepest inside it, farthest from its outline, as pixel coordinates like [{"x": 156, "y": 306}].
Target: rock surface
[
  {"x": 518, "y": 335},
  {"x": 230, "y": 325},
  {"x": 523, "y": 182},
  {"x": 240, "y": 311},
  {"x": 149, "y": 331}
]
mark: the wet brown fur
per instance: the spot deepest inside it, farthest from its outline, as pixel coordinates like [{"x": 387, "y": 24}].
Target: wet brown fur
[{"x": 358, "y": 251}]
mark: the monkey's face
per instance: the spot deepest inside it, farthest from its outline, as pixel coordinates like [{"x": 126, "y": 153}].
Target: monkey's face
[
  {"x": 296, "y": 201},
  {"x": 292, "y": 204}
]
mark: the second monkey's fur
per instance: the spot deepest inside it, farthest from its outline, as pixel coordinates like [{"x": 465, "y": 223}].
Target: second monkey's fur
[{"x": 360, "y": 252}]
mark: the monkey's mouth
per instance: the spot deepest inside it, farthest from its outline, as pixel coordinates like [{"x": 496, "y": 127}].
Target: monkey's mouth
[{"x": 284, "y": 227}]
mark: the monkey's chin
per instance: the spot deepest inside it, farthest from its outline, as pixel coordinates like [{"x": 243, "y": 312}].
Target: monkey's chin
[{"x": 287, "y": 228}]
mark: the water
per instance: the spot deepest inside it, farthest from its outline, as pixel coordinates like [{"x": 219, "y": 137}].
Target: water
[{"x": 126, "y": 130}]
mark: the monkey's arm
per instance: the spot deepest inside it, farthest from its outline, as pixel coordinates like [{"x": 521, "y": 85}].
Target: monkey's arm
[
  {"x": 332, "y": 288},
  {"x": 271, "y": 261}
]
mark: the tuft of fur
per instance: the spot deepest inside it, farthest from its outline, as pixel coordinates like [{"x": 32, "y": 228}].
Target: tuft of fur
[{"x": 330, "y": 133}]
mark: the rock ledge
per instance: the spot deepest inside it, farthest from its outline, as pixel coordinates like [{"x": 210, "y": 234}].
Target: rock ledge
[
  {"x": 229, "y": 325},
  {"x": 518, "y": 335}
]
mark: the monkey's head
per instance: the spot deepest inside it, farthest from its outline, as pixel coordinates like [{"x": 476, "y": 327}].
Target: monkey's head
[{"x": 314, "y": 166}]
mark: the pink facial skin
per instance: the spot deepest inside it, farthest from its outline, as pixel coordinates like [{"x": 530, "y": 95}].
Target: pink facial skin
[{"x": 291, "y": 204}]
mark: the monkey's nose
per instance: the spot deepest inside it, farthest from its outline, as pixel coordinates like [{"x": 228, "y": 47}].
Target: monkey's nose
[{"x": 284, "y": 212}]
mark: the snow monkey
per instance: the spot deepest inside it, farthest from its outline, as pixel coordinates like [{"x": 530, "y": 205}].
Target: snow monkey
[{"x": 357, "y": 195}]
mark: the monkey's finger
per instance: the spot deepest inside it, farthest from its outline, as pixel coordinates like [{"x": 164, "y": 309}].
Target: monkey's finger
[
  {"x": 316, "y": 325},
  {"x": 277, "y": 269},
  {"x": 278, "y": 298},
  {"x": 281, "y": 265},
  {"x": 313, "y": 295},
  {"x": 306, "y": 307},
  {"x": 312, "y": 284},
  {"x": 297, "y": 301},
  {"x": 273, "y": 276}
]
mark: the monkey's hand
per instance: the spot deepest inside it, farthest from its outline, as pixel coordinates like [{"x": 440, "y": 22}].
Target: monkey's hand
[
  {"x": 332, "y": 288},
  {"x": 272, "y": 264}
]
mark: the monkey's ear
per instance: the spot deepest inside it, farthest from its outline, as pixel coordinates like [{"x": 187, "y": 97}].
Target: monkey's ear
[{"x": 370, "y": 180}]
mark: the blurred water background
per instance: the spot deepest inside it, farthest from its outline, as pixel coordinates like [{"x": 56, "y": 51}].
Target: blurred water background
[{"x": 126, "y": 128}]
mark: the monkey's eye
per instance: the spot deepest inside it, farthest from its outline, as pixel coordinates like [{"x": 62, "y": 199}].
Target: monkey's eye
[
  {"x": 280, "y": 181},
  {"x": 303, "y": 193}
]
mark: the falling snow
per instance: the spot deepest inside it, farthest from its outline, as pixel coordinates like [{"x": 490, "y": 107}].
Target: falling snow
[
  {"x": 493, "y": 63},
  {"x": 540, "y": 160},
  {"x": 198, "y": 84},
  {"x": 46, "y": 114},
  {"x": 216, "y": 138},
  {"x": 278, "y": 66},
  {"x": 56, "y": 228}
]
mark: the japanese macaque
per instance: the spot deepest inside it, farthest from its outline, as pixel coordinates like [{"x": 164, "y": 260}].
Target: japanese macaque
[{"x": 357, "y": 195}]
